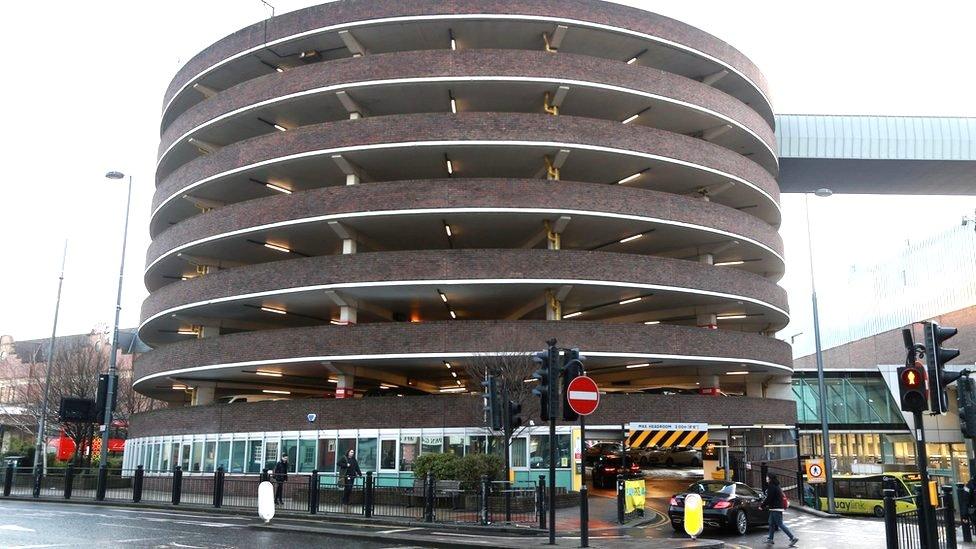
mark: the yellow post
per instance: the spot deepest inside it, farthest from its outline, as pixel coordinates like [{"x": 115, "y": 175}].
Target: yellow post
[
  {"x": 694, "y": 515},
  {"x": 577, "y": 460}
]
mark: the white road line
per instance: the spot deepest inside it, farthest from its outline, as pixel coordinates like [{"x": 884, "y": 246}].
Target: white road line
[
  {"x": 396, "y": 530},
  {"x": 15, "y": 528}
]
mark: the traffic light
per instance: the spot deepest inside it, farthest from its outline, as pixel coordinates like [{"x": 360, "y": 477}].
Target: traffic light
[
  {"x": 493, "y": 408},
  {"x": 936, "y": 357},
  {"x": 572, "y": 369},
  {"x": 545, "y": 374},
  {"x": 514, "y": 415},
  {"x": 99, "y": 409},
  {"x": 966, "y": 393},
  {"x": 911, "y": 387}
]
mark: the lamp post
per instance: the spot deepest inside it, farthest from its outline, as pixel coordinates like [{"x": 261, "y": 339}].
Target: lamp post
[
  {"x": 821, "y": 384},
  {"x": 40, "y": 451},
  {"x": 110, "y": 386}
]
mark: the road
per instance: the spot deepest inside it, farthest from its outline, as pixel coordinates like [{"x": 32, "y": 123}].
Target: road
[{"x": 35, "y": 525}]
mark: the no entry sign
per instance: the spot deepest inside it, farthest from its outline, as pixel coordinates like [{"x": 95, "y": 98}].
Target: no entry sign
[{"x": 583, "y": 395}]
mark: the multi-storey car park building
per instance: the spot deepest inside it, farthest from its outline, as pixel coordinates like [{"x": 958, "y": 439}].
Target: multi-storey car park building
[{"x": 355, "y": 199}]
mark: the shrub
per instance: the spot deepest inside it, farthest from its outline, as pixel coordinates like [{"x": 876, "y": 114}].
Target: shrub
[
  {"x": 442, "y": 466},
  {"x": 473, "y": 466}
]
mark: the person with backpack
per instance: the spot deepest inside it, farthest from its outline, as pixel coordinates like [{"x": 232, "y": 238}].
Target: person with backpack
[{"x": 776, "y": 502}]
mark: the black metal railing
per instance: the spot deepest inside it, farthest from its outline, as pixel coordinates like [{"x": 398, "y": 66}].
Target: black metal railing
[
  {"x": 908, "y": 527},
  {"x": 427, "y": 500}
]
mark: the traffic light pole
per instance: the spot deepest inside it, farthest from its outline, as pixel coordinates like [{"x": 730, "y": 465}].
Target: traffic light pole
[
  {"x": 926, "y": 522},
  {"x": 584, "y": 502},
  {"x": 553, "y": 410},
  {"x": 507, "y": 429}
]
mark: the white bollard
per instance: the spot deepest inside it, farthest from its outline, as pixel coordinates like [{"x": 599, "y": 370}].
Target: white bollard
[{"x": 266, "y": 506}]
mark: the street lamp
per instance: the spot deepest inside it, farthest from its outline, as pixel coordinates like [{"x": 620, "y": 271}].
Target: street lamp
[
  {"x": 821, "y": 384},
  {"x": 110, "y": 386},
  {"x": 40, "y": 452}
]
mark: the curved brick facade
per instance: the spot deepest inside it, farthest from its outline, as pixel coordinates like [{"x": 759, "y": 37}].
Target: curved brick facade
[{"x": 242, "y": 277}]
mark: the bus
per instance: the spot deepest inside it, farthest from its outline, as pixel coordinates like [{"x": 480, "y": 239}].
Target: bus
[{"x": 862, "y": 494}]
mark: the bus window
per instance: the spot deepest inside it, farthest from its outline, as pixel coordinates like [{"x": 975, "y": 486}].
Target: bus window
[
  {"x": 858, "y": 489},
  {"x": 874, "y": 487},
  {"x": 842, "y": 488}
]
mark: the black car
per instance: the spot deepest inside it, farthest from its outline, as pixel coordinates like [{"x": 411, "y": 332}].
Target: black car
[
  {"x": 731, "y": 505},
  {"x": 608, "y": 466}
]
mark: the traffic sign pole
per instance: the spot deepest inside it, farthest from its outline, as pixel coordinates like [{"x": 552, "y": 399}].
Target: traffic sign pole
[{"x": 583, "y": 396}]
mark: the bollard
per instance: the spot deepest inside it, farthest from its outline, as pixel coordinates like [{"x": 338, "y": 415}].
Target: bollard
[
  {"x": 485, "y": 488},
  {"x": 218, "y": 491},
  {"x": 137, "y": 485},
  {"x": 38, "y": 477},
  {"x": 177, "y": 484},
  {"x": 69, "y": 479},
  {"x": 584, "y": 518},
  {"x": 540, "y": 501},
  {"x": 964, "y": 510},
  {"x": 102, "y": 481},
  {"x": 621, "y": 494},
  {"x": 313, "y": 492},
  {"x": 949, "y": 517},
  {"x": 429, "y": 498},
  {"x": 368, "y": 494},
  {"x": 8, "y": 479},
  {"x": 921, "y": 497},
  {"x": 890, "y": 519}
]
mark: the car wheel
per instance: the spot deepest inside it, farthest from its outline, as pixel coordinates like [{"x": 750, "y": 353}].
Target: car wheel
[
  {"x": 740, "y": 524},
  {"x": 879, "y": 511},
  {"x": 677, "y": 527}
]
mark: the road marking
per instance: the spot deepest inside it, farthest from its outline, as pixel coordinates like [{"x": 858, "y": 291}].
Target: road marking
[
  {"x": 15, "y": 528},
  {"x": 177, "y": 514},
  {"x": 397, "y": 530}
]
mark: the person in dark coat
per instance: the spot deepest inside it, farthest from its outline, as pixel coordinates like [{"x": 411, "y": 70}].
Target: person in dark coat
[
  {"x": 280, "y": 476},
  {"x": 348, "y": 471},
  {"x": 775, "y": 501},
  {"x": 971, "y": 500}
]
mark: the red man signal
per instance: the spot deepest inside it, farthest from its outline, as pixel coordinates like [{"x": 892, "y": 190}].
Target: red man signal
[{"x": 911, "y": 387}]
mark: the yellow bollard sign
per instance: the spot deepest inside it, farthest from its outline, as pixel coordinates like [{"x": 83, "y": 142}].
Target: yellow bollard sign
[
  {"x": 694, "y": 515},
  {"x": 634, "y": 495}
]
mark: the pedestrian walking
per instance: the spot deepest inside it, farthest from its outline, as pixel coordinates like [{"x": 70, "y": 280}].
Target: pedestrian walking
[
  {"x": 775, "y": 501},
  {"x": 280, "y": 477},
  {"x": 348, "y": 471}
]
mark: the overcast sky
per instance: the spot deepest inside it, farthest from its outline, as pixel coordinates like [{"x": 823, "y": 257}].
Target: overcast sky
[{"x": 84, "y": 91}]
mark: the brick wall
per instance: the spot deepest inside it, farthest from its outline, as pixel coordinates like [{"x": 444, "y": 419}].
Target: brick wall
[
  {"x": 887, "y": 347},
  {"x": 445, "y": 411}
]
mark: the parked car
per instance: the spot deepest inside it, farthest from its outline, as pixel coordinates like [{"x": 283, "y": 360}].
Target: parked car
[
  {"x": 607, "y": 467},
  {"x": 681, "y": 456},
  {"x": 732, "y": 505},
  {"x": 601, "y": 449}
]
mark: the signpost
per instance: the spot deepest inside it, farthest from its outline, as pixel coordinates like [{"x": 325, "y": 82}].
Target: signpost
[
  {"x": 816, "y": 474},
  {"x": 583, "y": 396}
]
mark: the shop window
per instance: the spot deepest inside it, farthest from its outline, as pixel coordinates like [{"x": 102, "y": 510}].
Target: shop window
[
  {"x": 432, "y": 444},
  {"x": 209, "y": 455},
  {"x": 289, "y": 448},
  {"x": 223, "y": 455},
  {"x": 270, "y": 454},
  {"x": 409, "y": 450},
  {"x": 174, "y": 456},
  {"x": 196, "y": 461},
  {"x": 539, "y": 446},
  {"x": 255, "y": 449},
  {"x": 518, "y": 452},
  {"x": 346, "y": 444},
  {"x": 327, "y": 455},
  {"x": 165, "y": 457},
  {"x": 306, "y": 456},
  {"x": 366, "y": 454},
  {"x": 454, "y": 444},
  {"x": 388, "y": 454},
  {"x": 475, "y": 445},
  {"x": 238, "y": 456}
]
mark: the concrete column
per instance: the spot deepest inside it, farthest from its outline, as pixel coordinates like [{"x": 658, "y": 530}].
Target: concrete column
[
  {"x": 780, "y": 387},
  {"x": 344, "y": 387},
  {"x": 754, "y": 388},
  {"x": 208, "y": 332},
  {"x": 706, "y": 259},
  {"x": 708, "y": 384},
  {"x": 554, "y": 307},
  {"x": 348, "y": 246},
  {"x": 203, "y": 394},
  {"x": 707, "y": 320},
  {"x": 347, "y": 314}
]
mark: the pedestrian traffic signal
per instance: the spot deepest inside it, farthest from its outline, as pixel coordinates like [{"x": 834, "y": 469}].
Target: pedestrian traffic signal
[
  {"x": 514, "y": 415},
  {"x": 493, "y": 408},
  {"x": 572, "y": 369},
  {"x": 966, "y": 395},
  {"x": 935, "y": 358},
  {"x": 911, "y": 387}
]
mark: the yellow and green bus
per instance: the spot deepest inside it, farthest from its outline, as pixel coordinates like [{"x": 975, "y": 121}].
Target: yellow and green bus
[{"x": 862, "y": 494}]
